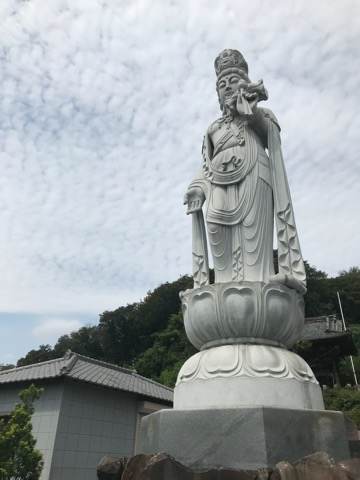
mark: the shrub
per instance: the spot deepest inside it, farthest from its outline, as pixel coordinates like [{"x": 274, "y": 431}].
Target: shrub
[{"x": 19, "y": 459}]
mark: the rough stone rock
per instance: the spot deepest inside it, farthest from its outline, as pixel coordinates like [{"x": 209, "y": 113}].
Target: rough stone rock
[
  {"x": 135, "y": 467},
  {"x": 284, "y": 471},
  {"x": 111, "y": 468},
  {"x": 263, "y": 474},
  {"x": 351, "y": 467},
  {"x": 163, "y": 467},
  {"x": 318, "y": 466}
]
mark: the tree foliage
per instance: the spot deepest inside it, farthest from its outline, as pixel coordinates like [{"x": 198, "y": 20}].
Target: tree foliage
[
  {"x": 346, "y": 400},
  {"x": 348, "y": 285},
  {"x": 19, "y": 459},
  {"x": 321, "y": 297},
  {"x": 345, "y": 368},
  {"x": 42, "y": 354},
  {"x": 85, "y": 341},
  {"x": 169, "y": 350},
  {"x": 318, "y": 296}
]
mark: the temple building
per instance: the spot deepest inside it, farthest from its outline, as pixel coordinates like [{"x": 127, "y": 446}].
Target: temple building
[
  {"x": 88, "y": 409},
  {"x": 327, "y": 343}
]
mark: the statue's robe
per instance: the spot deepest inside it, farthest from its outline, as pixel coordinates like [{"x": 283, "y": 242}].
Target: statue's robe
[{"x": 240, "y": 182}]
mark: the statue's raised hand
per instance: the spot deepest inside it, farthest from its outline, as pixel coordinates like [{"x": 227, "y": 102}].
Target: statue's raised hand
[
  {"x": 194, "y": 199},
  {"x": 249, "y": 94}
]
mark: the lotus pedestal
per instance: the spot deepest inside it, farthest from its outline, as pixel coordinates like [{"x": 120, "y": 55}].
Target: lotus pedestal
[{"x": 244, "y": 401}]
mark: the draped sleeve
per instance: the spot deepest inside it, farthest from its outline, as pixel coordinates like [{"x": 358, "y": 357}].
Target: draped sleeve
[{"x": 289, "y": 253}]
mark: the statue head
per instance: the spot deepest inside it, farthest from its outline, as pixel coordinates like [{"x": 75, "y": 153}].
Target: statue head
[{"x": 230, "y": 68}]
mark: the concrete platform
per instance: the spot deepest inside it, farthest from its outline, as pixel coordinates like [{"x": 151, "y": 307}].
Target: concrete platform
[{"x": 246, "y": 438}]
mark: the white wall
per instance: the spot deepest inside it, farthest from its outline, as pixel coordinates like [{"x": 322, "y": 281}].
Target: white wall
[{"x": 76, "y": 424}]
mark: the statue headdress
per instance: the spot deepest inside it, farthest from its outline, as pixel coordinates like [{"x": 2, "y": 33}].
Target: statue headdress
[{"x": 229, "y": 60}]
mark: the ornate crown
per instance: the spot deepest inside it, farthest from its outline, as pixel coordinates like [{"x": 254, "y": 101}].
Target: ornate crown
[{"x": 229, "y": 60}]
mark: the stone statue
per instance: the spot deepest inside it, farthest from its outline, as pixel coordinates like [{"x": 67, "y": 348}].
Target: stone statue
[
  {"x": 246, "y": 321},
  {"x": 243, "y": 184},
  {"x": 244, "y": 400}
]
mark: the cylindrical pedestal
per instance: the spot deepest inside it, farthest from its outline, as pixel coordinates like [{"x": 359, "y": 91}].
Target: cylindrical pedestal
[
  {"x": 233, "y": 376},
  {"x": 243, "y": 331}
]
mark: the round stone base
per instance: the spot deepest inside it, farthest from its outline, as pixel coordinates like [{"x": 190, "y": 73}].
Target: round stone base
[{"x": 233, "y": 376}]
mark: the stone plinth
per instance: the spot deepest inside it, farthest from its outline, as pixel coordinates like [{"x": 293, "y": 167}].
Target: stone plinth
[{"x": 246, "y": 438}]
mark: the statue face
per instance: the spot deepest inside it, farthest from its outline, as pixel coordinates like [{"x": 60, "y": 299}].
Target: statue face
[{"x": 227, "y": 86}]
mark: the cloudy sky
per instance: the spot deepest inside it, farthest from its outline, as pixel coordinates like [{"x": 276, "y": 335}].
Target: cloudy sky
[{"x": 103, "y": 108}]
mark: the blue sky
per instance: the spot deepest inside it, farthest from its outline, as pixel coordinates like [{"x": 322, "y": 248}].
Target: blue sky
[
  {"x": 22, "y": 332},
  {"x": 102, "y": 111}
]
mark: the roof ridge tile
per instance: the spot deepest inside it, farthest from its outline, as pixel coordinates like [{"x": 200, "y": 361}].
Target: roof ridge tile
[
  {"x": 81, "y": 368},
  {"x": 150, "y": 380},
  {"x": 32, "y": 365},
  {"x": 104, "y": 364}
]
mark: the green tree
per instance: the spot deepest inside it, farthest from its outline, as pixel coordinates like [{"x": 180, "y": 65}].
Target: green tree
[
  {"x": 42, "y": 354},
  {"x": 129, "y": 331},
  {"x": 117, "y": 333},
  {"x": 318, "y": 298},
  {"x": 163, "y": 360},
  {"x": 347, "y": 283},
  {"x": 345, "y": 368},
  {"x": 19, "y": 459},
  {"x": 154, "y": 312},
  {"x": 85, "y": 341},
  {"x": 346, "y": 400}
]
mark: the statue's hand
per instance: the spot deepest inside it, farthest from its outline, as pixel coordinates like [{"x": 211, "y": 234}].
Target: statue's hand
[
  {"x": 253, "y": 93},
  {"x": 255, "y": 90},
  {"x": 251, "y": 96},
  {"x": 289, "y": 281},
  {"x": 194, "y": 199}
]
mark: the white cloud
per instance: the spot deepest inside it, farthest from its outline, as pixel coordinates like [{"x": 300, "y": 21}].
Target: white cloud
[
  {"x": 102, "y": 113},
  {"x": 50, "y": 329}
]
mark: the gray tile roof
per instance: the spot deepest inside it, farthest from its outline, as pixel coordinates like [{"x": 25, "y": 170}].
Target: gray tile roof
[
  {"x": 85, "y": 369},
  {"x": 318, "y": 328}
]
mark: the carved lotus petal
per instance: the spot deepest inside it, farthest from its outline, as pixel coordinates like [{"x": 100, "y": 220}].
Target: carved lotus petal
[
  {"x": 202, "y": 316},
  {"x": 265, "y": 361},
  {"x": 190, "y": 367},
  {"x": 243, "y": 312},
  {"x": 299, "y": 367},
  {"x": 224, "y": 360},
  {"x": 250, "y": 361},
  {"x": 240, "y": 308}
]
